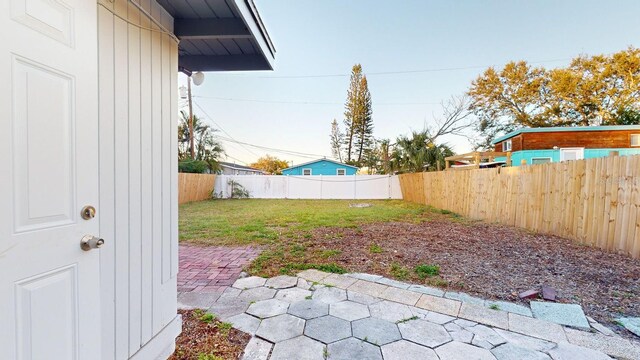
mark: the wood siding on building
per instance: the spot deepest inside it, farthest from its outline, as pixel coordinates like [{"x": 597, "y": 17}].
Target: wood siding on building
[
  {"x": 619, "y": 139},
  {"x": 603, "y": 139},
  {"x": 138, "y": 176}
]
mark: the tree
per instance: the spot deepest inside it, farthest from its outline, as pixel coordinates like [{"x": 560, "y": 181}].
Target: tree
[
  {"x": 207, "y": 148},
  {"x": 357, "y": 116},
  {"x": 456, "y": 118},
  {"x": 505, "y": 99},
  {"x": 337, "y": 140},
  {"x": 385, "y": 156},
  {"x": 418, "y": 153},
  {"x": 592, "y": 90},
  {"x": 270, "y": 164},
  {"x": 364, "y": 135}
]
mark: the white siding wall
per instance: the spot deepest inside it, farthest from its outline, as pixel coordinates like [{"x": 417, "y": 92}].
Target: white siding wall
[
  {"x": 138, "y": 175},
  {"x": 313, "y": 187}
]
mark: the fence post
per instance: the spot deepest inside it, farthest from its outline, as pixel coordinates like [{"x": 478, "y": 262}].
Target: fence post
[{"x": 320, "y": 186}]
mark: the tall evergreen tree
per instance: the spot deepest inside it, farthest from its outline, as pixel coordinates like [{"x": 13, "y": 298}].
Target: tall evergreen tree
[
  {"x": 364, "y": 136},
  {"x": 353, "y": 110},
  {"x": 337, "y": 140}
]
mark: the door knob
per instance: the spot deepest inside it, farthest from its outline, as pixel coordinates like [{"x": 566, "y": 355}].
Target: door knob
[{"x": 89, "y": 242}]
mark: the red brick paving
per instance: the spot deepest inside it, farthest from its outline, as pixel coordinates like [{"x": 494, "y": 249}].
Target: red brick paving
[{"x": 211, "y": 268}]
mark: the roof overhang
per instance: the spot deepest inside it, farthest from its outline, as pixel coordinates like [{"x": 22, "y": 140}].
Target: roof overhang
[{"x": 220, "y": 35}]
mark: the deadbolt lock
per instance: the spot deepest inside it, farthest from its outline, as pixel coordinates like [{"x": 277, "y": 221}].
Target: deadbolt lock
[{"x": 88, "y": 212}]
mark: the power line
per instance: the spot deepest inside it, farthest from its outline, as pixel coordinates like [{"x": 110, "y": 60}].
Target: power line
[
  {"x": 290, "y": 152},
  {"x": 245, "y": 145},
  {"x": 307, "y": 102},
  {"x": 221, "y": 129},
  {"x": 399, "y": 72}
]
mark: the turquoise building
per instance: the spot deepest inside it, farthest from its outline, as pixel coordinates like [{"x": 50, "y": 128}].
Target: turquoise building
[
  {"x": 554, "y": 144},
  {"x": 321, "y": 167}
]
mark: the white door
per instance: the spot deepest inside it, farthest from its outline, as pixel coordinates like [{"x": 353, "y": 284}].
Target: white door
[
  {"x": 571, "y": 154},
  {"x": 49, "y": 286}
]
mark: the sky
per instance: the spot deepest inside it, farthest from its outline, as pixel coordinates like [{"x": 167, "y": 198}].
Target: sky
[{"x": 291, "y": 108}]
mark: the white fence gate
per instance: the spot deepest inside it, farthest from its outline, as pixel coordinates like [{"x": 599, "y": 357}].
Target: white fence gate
[{"x": 312, "y": 187}]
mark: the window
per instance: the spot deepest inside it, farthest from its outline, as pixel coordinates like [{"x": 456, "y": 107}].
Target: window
[
  {"x": 506, "y": 145},
  {"x": 306, "y": 171},
  {"x": 541, "y": 160},
  {"x": 568, "y": 154},
  {"x": 635, "y": 139},
  {"x": 341, "y": 172}
]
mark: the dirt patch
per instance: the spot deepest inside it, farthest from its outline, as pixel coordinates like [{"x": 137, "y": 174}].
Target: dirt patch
[
  {"x": 490, "y": 261},
  {"x": 205, "y": 338}
]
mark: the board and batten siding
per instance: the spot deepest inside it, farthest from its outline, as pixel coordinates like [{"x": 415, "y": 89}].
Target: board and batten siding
[{"x": 138, "y": 177}]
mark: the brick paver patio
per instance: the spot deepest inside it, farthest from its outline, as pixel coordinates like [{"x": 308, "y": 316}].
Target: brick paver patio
[
  {"x": 211, "y": 269},
  {"x": 360, "y": 316}
]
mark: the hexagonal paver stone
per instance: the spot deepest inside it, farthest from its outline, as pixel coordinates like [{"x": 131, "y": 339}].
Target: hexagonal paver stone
[
  {"x": 349, "y": 310},
  {"x": 485, "y": 337},
  {"x": 459, "y": 351},
  {"x": 330, "y": 295},
  {"x": 327, "y": 329},
  {"x": 257, "y": 294},
  {"x": 282, "y": 282},
  {"x": 405, "y": 350},
  {"x": 226, "y": 308},
  {"x": 249, "y": 282},
  {"x": 299, "y": 348},
  {"x": 513, "y": 352},
  {"x": 293, "y": 295},
  {"x": 280, "y": 328},
  {"x": 245, "y": 323},
  {"x": 424, "y": 332},
  {"x": 309, "y": 309},
  {"x": 391, "y": 311},
  {"x": 268, "y": 308},
  {"x": 376, "y": 331},
  {"x": 257, "y": 349},
  {"x": 352, "y": 348}
]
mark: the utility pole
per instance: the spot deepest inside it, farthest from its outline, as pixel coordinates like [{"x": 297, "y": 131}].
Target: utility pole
[{"x": 191, "y": 135}]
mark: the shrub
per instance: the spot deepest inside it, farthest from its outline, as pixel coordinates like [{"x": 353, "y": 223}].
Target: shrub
[
  {"x": 398, "y": 271},
  {"x": 192, "y": 166},
  {"x": 425, "y": 270},
  {"x": 238, "y": 191}
]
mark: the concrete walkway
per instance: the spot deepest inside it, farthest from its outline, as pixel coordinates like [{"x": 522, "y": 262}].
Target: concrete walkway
[{"x": 321, "y": 316}]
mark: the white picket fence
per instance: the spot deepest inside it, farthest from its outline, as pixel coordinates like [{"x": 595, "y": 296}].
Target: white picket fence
[{"x": 312, "y": 187}]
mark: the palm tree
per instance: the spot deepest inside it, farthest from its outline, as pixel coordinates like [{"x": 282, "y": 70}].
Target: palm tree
[
  {"x": 207, "y": 148},
  {"x": 419, "y": 153}
]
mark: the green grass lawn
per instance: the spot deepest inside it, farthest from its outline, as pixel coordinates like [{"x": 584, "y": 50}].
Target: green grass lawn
[{"x": 264, "y": 221}]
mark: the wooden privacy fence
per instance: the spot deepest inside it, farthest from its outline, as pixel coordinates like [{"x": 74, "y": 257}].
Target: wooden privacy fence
[
  {"x": 194, "y": 187},
  {"x": 595, "y": 201}
]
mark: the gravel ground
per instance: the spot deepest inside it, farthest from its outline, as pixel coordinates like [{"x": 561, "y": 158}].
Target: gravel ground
[{"x": 491, "y": 261}]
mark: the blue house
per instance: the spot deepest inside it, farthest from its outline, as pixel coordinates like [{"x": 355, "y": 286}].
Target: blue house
[
  {"x": 321, "y": 167},
  {"x": 541, "y": 145}
]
